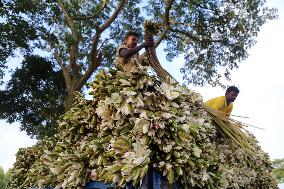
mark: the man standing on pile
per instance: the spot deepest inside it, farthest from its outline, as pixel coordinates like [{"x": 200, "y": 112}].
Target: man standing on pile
[
  {"x": 224, "y": 104},
  {"x": 127, "y": 53}
]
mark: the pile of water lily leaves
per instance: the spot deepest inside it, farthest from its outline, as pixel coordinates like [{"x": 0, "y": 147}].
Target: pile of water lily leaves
[{"x": 136, "y": 123}]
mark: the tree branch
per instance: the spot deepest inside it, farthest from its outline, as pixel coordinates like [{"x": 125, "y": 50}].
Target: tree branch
[
  {"x": 102, "y": 43},
  {"x": 94, "y": 65},
  {"x": 194, "y": 37},
  {"x": 70, "y": 21},
  {"x": 86, "y": 17},
  {"x": 174, "y": 22},
  {"x": 65, "y": 71},
  {"x": 74, "y": 45},
  {"x": 95, "y": 60},
  {"x": 95, "y": 44},
  {"x": 113, "y": 17},
  {"x": 166, "y": 22},
  {"x": 94, "y": 56},
  {"x": 95, "y": 15}
]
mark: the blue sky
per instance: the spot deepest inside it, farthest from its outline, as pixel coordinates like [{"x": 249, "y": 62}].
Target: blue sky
[{"x": 259, "y": 78}]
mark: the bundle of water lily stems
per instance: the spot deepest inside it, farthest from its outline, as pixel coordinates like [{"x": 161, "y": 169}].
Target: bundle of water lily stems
[
  {"x": 152, "y": 29},
  {"x": 230, "y": 128},
  {"x": 134, "y": 123}
]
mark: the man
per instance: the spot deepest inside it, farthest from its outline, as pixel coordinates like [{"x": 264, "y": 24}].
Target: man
[
  {"x": 224, "y": 104},
  {"x": 127, "y": 53}
]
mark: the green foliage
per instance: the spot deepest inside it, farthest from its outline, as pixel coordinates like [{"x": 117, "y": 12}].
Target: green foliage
[
  {"x": 52, "y": 31},
  {"x": 278, "y": 170},
  {"x": 48, "y": 31},
  {"x": 81, "y": 37},
  {"x": 214, "y": 36},
  {"x": 15, "y": 32},
  {"x": 210, "y": 34},
  {"x": 35, "y": 97},
  {"x": 4, "y": 177}
]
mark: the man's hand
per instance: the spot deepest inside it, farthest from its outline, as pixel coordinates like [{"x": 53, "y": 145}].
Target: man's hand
[{"x": 149, "y": 42}]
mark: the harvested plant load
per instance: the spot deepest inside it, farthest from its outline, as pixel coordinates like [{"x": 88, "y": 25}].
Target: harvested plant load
[{"x": 133, "y": 123}]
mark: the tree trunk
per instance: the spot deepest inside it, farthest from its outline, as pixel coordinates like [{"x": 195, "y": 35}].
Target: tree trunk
[
  {"x": 69, "y": 100},
  {"x": 73, "y": 87}
]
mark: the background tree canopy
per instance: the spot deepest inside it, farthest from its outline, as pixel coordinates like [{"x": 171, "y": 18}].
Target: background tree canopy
[
  {"x": 79, "y": 37},
  {"x": 35, "y": 96},
  {"x": 278, "y": 170},
  {"x": 4, "y": 177}
]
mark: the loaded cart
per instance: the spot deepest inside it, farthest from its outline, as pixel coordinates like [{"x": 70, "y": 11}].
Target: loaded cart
[{"x": 153, "y": 180}]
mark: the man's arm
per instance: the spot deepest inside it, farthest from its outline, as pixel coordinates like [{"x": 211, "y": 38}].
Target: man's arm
[
  {"x": 125, "y": 53},
  {"x": 229, "y": 110}
]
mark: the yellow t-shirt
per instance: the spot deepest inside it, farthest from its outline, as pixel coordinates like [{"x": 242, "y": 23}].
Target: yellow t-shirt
[
  {"x": 220, "y": 104},
  {"x": 128, "y": 63}
]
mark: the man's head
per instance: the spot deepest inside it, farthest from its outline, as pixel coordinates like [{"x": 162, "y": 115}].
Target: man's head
[
  {"x": 131, "y": 39},
  {"x": 231, "y": 94}
]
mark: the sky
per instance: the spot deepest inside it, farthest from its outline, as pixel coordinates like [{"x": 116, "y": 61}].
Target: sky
[{"x": 261, "y": 93}]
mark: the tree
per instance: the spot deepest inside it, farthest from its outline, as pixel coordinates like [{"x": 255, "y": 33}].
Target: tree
[
  {"x": 35, "y": 96},
  {"x": 16, "y": 33},
  {"x": 278, "y": 170},
  {"x": 4, "y": 177},
  {"x": 80, "y": 36}
]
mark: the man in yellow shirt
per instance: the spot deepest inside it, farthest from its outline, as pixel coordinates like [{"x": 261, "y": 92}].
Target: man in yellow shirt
[{"x": 224, "y": 104}]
